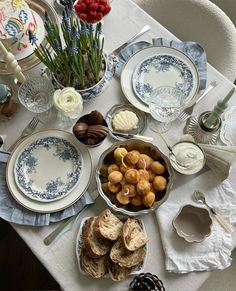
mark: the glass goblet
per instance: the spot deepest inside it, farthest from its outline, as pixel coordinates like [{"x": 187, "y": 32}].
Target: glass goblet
[
  {"x": 165, "y": 104},
  {"x": 36, "y": 94}
]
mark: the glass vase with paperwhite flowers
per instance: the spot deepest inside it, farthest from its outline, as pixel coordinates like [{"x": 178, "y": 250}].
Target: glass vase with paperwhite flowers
[{"x": 75, "y": 57}]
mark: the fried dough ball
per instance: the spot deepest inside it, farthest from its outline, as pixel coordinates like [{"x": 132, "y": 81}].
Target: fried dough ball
[
  {"x": 143, "y": 187},
  {"x": 149, "y": 199},
  {"x": 137, "y": 200},
  {"x": 112, "y": 168},
  {"x": 115, "y": 177},
  {"x": 132, "y": 176},
  {"x": 144, "y": 162},
  {"x": 132, "y": 157},
  {"x": 157, "y": 168},
  {"x": 129, "y": 190},
  {"x": 114, "y": 188},
  {"x": 120, "y": 153},
  {"x": 124, "y": 168},
  {"x": 122, "y": 199},
  {"x": 152, "y": 175},
  {"x": 159, "y": 183},
  {"x": 144, "y": 175}
]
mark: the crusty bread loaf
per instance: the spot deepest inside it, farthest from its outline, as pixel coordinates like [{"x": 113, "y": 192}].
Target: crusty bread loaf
[
  {"x": 108, "y": 226},
  {"x": 133, "y": 235},
  {"x": 120, "y": 255},
  {"x": 95, "y": 267},
  {"x": 94, "y": 246},
  {"x": 116, "y": 272}
]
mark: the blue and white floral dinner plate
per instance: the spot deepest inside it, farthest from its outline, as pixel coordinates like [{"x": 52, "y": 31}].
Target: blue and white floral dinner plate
[
  {"x": 48, "y": 168},
  {"x": 156, "y": 66},
  {"x": 161, "y": 70},
  {"x": 43, "y": 153}
]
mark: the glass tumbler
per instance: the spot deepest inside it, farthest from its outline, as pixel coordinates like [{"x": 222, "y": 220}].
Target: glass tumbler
[{"x": 36, "y": 94}]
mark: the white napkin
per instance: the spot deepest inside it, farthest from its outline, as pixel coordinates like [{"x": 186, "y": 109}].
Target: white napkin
[{"x": 212, "y": 253}]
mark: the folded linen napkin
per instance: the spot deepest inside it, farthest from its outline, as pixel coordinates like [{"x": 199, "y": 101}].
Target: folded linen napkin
[
  {"x": 13, "y": 212},
  {"x": 192, "y": 49},
  {"x": 212, "y": 253}
]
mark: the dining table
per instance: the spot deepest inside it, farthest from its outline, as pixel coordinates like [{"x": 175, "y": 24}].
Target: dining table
[{"x": 124, "y": 20}]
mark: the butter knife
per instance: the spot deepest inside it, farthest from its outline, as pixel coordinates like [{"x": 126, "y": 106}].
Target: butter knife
[
  {"x": 129, "y": 135},
  {"x": 55, "y": 233},
  {"x": 137, "y": 35}
]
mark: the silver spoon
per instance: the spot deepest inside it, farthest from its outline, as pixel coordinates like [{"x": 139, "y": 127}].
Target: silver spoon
[{"x": 200, "y": 198}]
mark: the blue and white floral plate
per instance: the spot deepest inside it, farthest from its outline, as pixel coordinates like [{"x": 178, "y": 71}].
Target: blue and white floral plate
[
  {"x": 161, "y": 70},
  {"x": 156, "y": 66},
  {"x": 69, "y": 143},
  {"x": 48, "y": 169}
]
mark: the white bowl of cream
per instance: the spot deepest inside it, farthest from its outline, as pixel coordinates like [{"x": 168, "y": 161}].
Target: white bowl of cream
[{"x": 187, "y": 158}]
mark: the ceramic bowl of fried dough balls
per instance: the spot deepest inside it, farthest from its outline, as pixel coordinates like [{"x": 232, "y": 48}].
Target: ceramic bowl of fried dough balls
[{"x": 134, "y": 177}]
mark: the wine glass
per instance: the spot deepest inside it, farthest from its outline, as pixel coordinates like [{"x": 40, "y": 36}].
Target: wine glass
[
  {"x": 165, "y": 104},
  {"x": 36, "y": 94}
]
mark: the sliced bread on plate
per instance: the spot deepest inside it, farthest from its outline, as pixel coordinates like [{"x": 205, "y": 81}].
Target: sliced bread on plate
[
  {"x": 95, "y": 267},
  {"x": 95, "y": 247},
  {"x": 116, "y": 272},
  {"x": 108, "y": 226},
  {"x": 120, "y": 255},
  {"x": 133, "y": 235}
]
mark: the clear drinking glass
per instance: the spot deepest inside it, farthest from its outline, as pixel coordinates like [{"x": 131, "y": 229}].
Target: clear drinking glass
[
  {"x": 165, "y": 104},
  {"x": 36, "y": 94}
]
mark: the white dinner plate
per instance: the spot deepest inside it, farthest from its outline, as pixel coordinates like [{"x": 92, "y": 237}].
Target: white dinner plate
[
  {"x": 75, "y": 193},
  {"x": 48, "y": 168},
  {"x": 134, "y": 62},
  {"x": 79, "y": 245}
]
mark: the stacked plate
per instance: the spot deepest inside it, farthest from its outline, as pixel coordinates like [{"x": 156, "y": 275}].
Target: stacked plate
[
  {"x": 157, "y": 66},
  {"x": 49, "y": 171}
]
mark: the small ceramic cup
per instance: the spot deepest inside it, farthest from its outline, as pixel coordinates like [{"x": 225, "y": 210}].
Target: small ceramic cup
[{"x": 192, "y": 223}]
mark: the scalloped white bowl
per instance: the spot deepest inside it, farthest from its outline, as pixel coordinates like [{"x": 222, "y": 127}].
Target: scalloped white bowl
[{"x": 193, "y": 223}]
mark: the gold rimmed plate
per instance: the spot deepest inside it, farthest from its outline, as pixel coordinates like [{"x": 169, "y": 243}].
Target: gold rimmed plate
[{"x": 56, "y": 205}]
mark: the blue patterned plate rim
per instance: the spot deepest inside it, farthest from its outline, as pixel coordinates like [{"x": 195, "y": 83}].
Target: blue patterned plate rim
[
  {"x": 59, "y": 162},
  {"x": 161, "y": 64},
  {"x": 134, "y": 60}
]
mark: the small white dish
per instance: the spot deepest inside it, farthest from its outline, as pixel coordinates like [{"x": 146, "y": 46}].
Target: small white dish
[
  {"x": 79, "y": 245},
  {"x": 59, "y": 204},
  {"x": 228, "y": 128},
  {"x": 192, "y": 223},
  {"x": 161, "y": 70},
  {"x": 140, "y": 56},
  {"x": 48, "y": 169}
]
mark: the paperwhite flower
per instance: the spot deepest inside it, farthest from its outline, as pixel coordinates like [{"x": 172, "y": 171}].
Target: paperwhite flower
[{"x": 68, "y": 101}]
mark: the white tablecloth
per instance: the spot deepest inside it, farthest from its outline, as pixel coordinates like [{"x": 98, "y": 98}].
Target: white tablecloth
[{"x": 59, "y": 258}]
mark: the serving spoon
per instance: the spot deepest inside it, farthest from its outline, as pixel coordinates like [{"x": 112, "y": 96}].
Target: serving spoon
[{"x": 200, "y": 198}]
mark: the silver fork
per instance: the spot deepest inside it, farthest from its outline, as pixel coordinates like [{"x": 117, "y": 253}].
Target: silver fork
[
  {"x": 30, "y": 127},
  {"x": 188, "y": 111}
]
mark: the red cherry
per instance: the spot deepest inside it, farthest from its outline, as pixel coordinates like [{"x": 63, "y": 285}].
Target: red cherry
[
  {"x": 103, "y": 2},
  {"x": 100, "y": 8},
  {"x": 107, "y": 9},
  {"x": 80, "y": 7},
  {"x": 92, "y": 6},
  {"x": 93, "y": 14},
  {"x": 99, "y": 16},
  {"x": 83, "y": 16}
]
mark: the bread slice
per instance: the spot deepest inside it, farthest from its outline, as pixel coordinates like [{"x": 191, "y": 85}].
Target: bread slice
[
  {"x": 116, "y": 272},
  {"x": 133, "y": 235},
  {"x": 94, "y": 246},
  {"x": 95, "y": 267},
  {"x": 108, "y": 226},
  {"x": 120, "y": 255}
]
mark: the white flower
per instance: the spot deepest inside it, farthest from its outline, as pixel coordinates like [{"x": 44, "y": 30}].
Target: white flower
[{"x": 68, "y": 101}]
